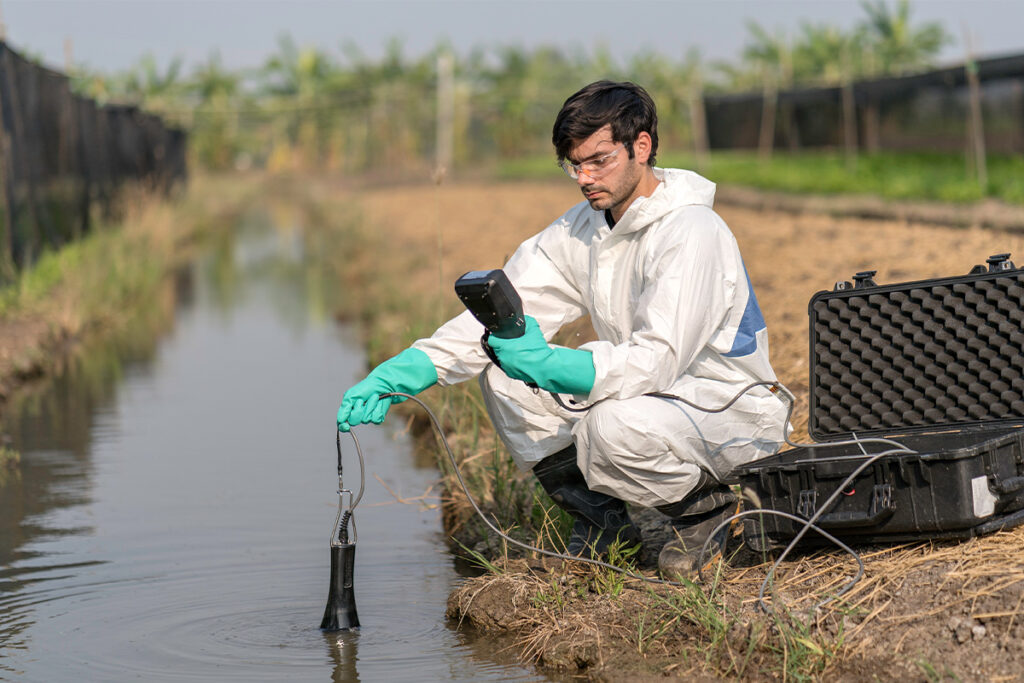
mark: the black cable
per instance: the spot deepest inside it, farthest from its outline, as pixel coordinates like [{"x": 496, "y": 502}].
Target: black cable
[{"x": 808, "y": 524}]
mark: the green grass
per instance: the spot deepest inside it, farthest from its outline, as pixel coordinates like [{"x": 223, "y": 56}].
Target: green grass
[
  {"x": 10, "y": 466},
  {"x": 105, "y": 272},
  {"x": 906, "y": 176}
]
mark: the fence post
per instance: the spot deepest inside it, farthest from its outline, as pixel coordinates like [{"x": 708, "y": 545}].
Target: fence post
[
  {"x": 445, "y": 115},
  {"x": 975, "y": 126},
  {"x": 849, "y": 115},
  {"x": 698, "y": 121},
  {"x": 770, "y": 101},
  {"x": 872, "y": 132}
]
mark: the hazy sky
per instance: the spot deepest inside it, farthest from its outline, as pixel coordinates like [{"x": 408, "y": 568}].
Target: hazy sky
[{"x": 114, "y": 34}]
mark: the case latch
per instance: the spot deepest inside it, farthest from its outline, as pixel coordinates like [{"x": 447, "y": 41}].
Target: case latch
[
  {"x": 999, "y": 262},
  {"x": 881, "y": 499},
  {"x": 807, "y": 503},
  {"x": 863, "y": 279}
]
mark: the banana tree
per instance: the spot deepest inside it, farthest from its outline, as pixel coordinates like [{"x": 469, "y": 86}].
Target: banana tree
[
  {"x": 771, "y": 54},
  {"x": 898, "y": 46},
  {"x": 216, "y": 111}
]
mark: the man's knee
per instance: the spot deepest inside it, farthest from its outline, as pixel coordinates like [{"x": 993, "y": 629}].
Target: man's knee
[
  {"x": 626, "y": 449},
  {"x": 614, "y": 431}
]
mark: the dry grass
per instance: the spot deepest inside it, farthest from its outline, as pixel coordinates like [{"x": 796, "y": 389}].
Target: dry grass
[{"x": 915, "y": 602}]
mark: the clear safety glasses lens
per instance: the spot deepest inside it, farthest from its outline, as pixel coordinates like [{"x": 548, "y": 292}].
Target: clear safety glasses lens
[{"x": 595, "y": 168}]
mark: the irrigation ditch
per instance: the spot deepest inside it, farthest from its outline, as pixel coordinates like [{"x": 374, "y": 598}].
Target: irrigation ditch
[{"x": 922, "y": 612}]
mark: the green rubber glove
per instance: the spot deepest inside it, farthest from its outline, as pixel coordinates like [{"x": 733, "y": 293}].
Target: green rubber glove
[
  {"x": 552, "y": 368},
  {"x": 410, "y": 372}
]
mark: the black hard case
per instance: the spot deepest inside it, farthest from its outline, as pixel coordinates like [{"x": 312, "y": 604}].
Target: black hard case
[{"x": 937, "y": 365}]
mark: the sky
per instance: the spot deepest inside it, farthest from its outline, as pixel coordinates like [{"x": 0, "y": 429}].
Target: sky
[{"x": 112, "y": 35}]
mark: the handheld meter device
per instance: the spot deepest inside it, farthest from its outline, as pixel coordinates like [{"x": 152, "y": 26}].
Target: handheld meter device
[{"x": 492, "y": 300}]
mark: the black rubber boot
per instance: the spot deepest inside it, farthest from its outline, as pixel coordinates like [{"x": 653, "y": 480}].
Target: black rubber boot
[
  {"x": 600, "y": 519},
  {"x": 693, "y": 519}
]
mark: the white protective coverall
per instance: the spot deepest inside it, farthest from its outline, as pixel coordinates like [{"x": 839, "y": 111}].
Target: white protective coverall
[{"x": 674, "y": 312}]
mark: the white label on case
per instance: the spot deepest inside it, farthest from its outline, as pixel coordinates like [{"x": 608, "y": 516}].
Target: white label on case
[{"x": 984, "y": 501}]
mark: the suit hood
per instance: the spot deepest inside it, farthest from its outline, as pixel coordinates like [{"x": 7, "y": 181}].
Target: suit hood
[{"x": 677, "y": 188}]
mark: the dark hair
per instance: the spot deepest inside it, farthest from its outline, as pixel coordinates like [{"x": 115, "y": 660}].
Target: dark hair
[{"x": 626, "y": 106}]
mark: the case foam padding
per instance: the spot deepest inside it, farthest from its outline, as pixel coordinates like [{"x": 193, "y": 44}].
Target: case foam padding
[{"x": 937, "y": 352}]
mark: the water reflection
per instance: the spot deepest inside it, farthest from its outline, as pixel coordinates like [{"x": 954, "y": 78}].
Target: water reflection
[
  {"x": 175, "y": 500},
  {"x": 343, "y": 650}
]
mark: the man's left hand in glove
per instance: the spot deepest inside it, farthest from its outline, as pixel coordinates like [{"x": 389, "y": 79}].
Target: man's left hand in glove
[{"x": 553, "y": 368}]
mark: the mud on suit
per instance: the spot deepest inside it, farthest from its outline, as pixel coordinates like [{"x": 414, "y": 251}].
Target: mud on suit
[{"x": 674, "y": 312}]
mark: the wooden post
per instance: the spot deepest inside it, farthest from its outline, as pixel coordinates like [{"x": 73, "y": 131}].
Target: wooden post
[
  {"x": 849, "y": 126},
  {"x": 849, "y": 116},
  {"x": 445, "y": 116},
  {"x": 975, "y": 126},
  {"x": 1018, "y": 115},
  {"x": 769, "y": 103},
  {"x": 872, "y": 127},
  {"x": 698, "y": 120},
  {"x": 69, "y": 55}
]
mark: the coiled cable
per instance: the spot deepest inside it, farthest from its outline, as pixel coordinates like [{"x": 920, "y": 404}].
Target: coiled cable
[{"x": 807, "y": 524}]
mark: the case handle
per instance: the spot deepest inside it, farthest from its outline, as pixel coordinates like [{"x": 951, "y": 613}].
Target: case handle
[
  {"x": 852, "y": 520},
  {"x": 882, "y": 508},
  {"x": 1010, "y": 485}
]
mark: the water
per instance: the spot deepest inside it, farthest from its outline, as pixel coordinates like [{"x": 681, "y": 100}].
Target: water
[{"x": 171, "y": 516}]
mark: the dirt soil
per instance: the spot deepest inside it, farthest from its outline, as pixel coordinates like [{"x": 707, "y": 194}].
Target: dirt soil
[{"x": 921, "y": 612}]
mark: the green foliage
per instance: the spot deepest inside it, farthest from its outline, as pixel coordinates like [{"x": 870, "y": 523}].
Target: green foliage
[
  {"x": 306, "y": 107},
  {"x": 730, "y": 644},
  {"x": 611, "y": 582},
  {"x": 552, "y": 596},
  {"x": 479, "y": 559},
  {"x": 897, "y": 46},
  {"x": 884, "y": 43},
  {"x": 932, "y": 673},
  {"x": 892, "y": 175}
]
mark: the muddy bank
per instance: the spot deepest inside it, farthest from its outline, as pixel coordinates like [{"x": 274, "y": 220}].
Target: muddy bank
[
  {"x": 107, "y": 281},
  {"x": 924, "y": 612}
]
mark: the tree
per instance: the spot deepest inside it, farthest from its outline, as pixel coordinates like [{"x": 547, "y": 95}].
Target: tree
[
  {"x": 215, "y": 112},
  {"x": 152, "y": 88},
  {"x": 897, "y": 46},
  {"x": 677, "y": 87},
  {"x": 295, "y": 82},
  {"x": 770, "y": 54},
  {"x": 825, "y": 55}
]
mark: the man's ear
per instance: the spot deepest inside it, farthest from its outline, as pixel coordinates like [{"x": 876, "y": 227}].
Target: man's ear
[{"x": 642, "y": 147}]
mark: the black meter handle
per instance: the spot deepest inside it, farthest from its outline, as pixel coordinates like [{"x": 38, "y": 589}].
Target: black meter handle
[{"x": 491, "y": 298}]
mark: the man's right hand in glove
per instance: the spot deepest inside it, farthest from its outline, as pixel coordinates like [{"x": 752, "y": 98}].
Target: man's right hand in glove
[{"x": 410, "y": 372}]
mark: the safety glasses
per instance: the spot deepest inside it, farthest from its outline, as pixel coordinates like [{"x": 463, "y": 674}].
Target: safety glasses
[{"x": 595, "y": 168}]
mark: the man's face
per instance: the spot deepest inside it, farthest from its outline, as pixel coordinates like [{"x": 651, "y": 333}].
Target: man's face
[{"x": 615, "y": 186}]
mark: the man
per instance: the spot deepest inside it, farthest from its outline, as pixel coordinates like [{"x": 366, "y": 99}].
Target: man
[{"x": 662, "y": 279}]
